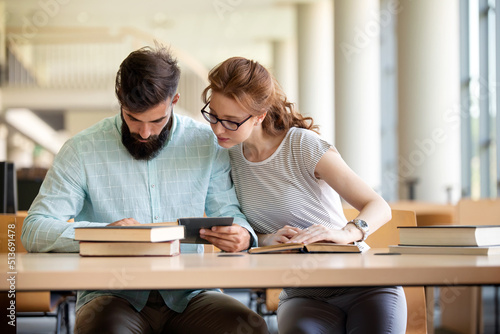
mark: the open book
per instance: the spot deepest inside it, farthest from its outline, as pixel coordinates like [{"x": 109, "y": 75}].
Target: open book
[{"x": 316, "y": 247}]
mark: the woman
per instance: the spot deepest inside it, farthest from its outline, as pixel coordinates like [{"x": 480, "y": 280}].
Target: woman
[{"x": 288, "y": 182}]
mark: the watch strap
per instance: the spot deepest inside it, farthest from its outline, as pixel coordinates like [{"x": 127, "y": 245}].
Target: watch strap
[{"x": 362, "y": 226}]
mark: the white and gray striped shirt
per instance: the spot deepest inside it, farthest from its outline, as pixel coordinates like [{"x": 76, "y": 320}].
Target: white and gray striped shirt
[{"x": 282, "y": 190}]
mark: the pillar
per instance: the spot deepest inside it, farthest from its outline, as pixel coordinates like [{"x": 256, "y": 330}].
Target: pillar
[
  {"x": 357, "y": 87},
  {"x": 285, "y": 67},
  {"x": 429, "y": 99},
  {"x": 315, "y": 59}
]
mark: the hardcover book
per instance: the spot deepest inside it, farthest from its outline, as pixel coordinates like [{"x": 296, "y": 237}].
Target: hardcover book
[
  {"x": 124, "y": 248},
  {"x": 450, "y": 235},
  {"x": 149, "y": 233},
  {"x": 458, "y": 250}
]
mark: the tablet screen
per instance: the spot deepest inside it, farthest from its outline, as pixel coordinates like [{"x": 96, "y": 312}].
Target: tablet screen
[{"x": 193, "y": 226}]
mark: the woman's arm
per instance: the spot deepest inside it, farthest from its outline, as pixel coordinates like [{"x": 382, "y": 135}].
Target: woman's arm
[{"x": 372, "y": 207}]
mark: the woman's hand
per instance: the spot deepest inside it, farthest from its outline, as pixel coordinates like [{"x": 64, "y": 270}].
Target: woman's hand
[
  {"x": 317, "y": 232},
  {"x": 283, "y": 235}
]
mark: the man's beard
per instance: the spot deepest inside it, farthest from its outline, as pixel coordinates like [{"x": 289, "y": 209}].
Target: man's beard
[{"x": 140, "y": 150}]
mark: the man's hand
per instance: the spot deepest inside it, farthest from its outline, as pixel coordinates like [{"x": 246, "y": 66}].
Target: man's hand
[
  {"x": 232, "y": 238},
  {"x": 124, "y": 222}
]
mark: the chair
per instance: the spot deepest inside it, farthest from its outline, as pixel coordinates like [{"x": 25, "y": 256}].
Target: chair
[
  {"x": 428, "y": 213},
  {"x": 384, "y": 236},
  {"x": 429, "y": 219},
  {"x": 463, "y": 312},
  {"x": 478, "y": 212},
  {"x": 40, "y": 303}
]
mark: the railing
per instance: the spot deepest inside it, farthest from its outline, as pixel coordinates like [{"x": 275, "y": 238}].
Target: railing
[
  {"x": 59, "y": 60},
  {"x": 63, "y": 66}
]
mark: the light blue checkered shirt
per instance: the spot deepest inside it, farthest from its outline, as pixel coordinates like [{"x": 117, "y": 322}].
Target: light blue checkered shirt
[{"x": 96, "y": 181}]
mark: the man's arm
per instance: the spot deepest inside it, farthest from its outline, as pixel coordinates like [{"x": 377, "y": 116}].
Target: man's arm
[
  {"x": 222, "y": 201},
  {"x": 61, "y": 198}
]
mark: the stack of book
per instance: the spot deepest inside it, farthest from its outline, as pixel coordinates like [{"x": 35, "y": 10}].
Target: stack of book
[
  {"x": 448, "y": 239},
  {"x": 135, "y": 240}
]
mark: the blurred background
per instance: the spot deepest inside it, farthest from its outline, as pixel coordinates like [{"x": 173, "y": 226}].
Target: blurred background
[{"x": 406, "y": 90}]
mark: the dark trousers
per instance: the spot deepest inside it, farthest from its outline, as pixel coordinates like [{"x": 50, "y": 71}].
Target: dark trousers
[
  {"x": 379, "y": 310},
  {"x": 209, "y": 312}
]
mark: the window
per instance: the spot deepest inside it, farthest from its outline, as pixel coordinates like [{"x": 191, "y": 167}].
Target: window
[{"x": 480, "y": 75}]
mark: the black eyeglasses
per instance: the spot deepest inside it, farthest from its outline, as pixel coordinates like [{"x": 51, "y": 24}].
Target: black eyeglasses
[{"x": 230, "y": 125}]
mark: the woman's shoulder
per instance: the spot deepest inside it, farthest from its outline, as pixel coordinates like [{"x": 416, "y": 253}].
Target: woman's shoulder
[
  {"x": 308, "y": 144},
  {"x": 302, "y": 136}
]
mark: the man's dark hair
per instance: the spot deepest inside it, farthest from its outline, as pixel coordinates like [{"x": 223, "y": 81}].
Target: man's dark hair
[{"x": 147, "y": 77}]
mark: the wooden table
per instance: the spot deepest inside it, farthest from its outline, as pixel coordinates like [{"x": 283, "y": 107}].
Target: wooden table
[{"x": 67, "y": 271}]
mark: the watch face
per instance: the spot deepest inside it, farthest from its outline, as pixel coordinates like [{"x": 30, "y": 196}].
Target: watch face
[{"x": 363, "y": 224}]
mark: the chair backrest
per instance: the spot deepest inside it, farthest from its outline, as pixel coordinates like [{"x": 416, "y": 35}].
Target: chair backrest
[
  {"x": 386, "y": 235},
  {"x": 429, "y": 219},
  {"x": 478, "y": 212},
  {"x": 6, "y": 221},
  {"x": 428, "y": 213}
]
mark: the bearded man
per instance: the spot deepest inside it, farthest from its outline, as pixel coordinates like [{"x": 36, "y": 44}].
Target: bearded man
[{"x": 144, "y": 165}]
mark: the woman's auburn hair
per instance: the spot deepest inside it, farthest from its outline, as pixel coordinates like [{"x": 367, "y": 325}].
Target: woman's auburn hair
[{"x": 255, "y": 89}]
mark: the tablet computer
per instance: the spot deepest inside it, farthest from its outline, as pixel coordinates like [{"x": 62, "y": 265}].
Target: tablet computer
[{"x": 193, "y": 226}]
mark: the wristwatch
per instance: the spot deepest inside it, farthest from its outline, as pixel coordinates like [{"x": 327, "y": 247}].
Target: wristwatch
[{"x": 362, "y": 226}]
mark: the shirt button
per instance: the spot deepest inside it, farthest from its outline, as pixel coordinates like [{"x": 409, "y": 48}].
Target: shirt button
[
  {"x": 152, "y": 186},
  {"x": 156, "y": 217}
]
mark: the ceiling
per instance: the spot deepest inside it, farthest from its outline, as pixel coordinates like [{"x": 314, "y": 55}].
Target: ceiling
[
  {"x": 208, "y": 30},
  {"x": 204, "y": 31}
]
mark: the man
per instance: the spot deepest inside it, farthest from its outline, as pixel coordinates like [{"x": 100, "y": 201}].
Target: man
[{"x": 145, "y": 165}]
